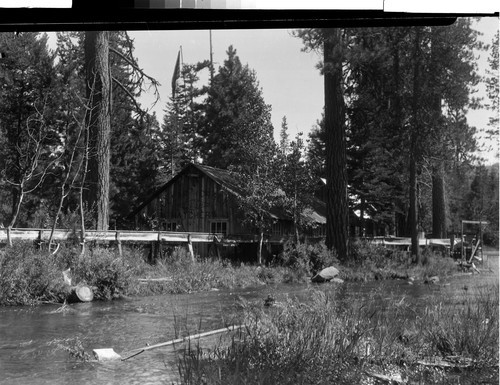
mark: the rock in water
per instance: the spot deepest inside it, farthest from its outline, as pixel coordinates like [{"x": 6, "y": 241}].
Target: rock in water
[{"x": 326, "y": 275}]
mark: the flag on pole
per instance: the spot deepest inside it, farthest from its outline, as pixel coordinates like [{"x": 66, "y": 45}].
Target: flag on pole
[{"x": 177, "y": 71}]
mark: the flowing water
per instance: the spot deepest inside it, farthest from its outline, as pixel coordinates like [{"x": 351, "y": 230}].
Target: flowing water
[{"x": 31, "y": 337}]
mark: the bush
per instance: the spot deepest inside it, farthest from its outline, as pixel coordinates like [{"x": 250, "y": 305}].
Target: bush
[
  {"x": 307, "y": 258},
  {"x": 28, "y": 276},
  {"x": 490, "y": 238},
  {"x": 109, "y": 275}
]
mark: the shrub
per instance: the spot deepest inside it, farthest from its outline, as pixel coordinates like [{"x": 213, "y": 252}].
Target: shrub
[
  {"x": 307, "y": 258},
  {"x": 109, "y": 275},
  {"x": 28, "y": 276}
]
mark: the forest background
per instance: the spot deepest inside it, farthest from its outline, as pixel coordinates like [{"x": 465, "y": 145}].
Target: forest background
[{"x": 217, "y": 114}]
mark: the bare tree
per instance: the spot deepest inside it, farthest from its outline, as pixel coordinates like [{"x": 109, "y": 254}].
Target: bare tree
[
  {"x": 34, "y": 160},
  {"x": 69, "y": 180}
]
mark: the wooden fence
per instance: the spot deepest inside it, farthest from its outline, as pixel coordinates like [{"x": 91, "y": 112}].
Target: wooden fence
[
  {"x": 43, "y": 235},
  {"x": 400, "y": 241}
]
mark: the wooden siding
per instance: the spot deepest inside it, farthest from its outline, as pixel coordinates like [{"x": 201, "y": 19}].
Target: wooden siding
[{"x": 193, "y": 201}]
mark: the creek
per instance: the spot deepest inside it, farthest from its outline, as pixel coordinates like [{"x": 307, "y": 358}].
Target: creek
[{"x": 31, "y": 337}]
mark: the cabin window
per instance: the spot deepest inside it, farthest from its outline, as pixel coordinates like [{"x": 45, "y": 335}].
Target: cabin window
[
  {"x": 277, "y": 228},
  {"x": 219, "y": 227},
  {"x": 169, "y": 226}
]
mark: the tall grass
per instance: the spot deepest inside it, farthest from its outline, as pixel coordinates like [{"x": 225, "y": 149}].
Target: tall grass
[
  {"x": 468, "y": 327},
  {"x": 375, "y": 262},
  {"x": 201, "y": 275},
  {"x": 335, "y": 339}
]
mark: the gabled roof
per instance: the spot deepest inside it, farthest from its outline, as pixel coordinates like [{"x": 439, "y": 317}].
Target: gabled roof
[
  {"x": 222, "y": 177},
  {"x": 229, "y": 181}
]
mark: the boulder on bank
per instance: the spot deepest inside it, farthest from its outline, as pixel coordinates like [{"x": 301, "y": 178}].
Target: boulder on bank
[
  {"x": 326, "y": 275},
  {"x": 432, "y": 280}
]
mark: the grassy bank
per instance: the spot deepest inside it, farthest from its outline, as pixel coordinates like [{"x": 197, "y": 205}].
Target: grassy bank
[
  {"x": 374, "y": 262},
  {"x": 29, "y": 275},
  {"x": 333, "y": 339}
]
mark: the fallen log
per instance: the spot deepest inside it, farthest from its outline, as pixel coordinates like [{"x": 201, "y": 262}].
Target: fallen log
[{"x": 80, "y": 293}]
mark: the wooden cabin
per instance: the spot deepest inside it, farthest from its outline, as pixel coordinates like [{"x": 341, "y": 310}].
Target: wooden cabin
[{"x": 204, "y": 199}]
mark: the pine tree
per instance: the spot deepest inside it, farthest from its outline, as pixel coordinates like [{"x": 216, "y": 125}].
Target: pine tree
[
  {"x": 182, "y": 120},
  {"x": 98, "y": 94},
  {"x": 134, "y": 158},
  {"x": 284, "y": 140},
  {"x": 235, "y": 117},
  {"x": 332, "y": 44},
  {"x": 28, "y": 124},
  {"x": 492, "y": 90},
  {"x": 135, "y": 148},
  {"x": 316, "y": 150}
]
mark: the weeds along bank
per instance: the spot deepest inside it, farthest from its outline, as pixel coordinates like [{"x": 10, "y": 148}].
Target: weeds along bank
[
  {"x": 335, "y": 339},
  {"x": 29, "y": 275}
]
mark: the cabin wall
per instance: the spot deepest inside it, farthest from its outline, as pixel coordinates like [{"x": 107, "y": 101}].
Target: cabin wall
[{"x": 193, "y": 202}]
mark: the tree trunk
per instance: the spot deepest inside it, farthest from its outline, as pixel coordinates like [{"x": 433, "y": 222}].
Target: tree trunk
[
  {"x": 336, "y": 170},
  {"x": 15, "y": 214},
  {"x": 259, "y": 252},
  {"x": 438, "y": 185},
  {"x": 438, "y": 202},
  {"x": 99, "y": 124},
  {"x": 413, "y": 214},
  {"x": 414, "y": 151}
]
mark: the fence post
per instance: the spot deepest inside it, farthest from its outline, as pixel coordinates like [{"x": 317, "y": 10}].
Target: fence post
[
  {"x": 119, "y": 242},
  {"x": 39, "y": 240},
  {"x": 190, "y": 247}
]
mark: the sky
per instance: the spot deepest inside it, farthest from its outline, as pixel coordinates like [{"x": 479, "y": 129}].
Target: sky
[
  {"x": 290, "y": 82},
  {"x": 288, "y": 77}
]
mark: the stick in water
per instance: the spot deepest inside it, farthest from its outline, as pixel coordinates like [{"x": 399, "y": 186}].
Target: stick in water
[{"x": 138, "y": 351}]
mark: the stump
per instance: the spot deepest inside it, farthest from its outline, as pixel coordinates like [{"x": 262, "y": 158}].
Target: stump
[{"x": 80, "y": 293}]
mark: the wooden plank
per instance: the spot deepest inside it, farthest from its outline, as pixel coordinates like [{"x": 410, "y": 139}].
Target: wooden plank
[
  {"x": 476, "y": 222},
  {"x": 139, "y": 236},
  {"x": 130, "y": 236}
]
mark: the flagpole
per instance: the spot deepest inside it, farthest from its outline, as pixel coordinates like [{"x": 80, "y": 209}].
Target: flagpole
[
  {"x": 182, "y": 66},
  {"x": 211, "y": 60}
]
